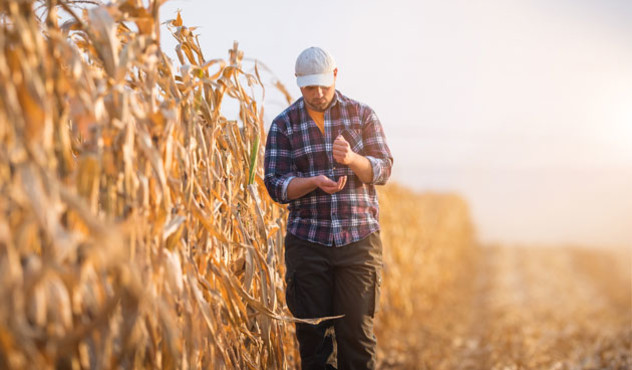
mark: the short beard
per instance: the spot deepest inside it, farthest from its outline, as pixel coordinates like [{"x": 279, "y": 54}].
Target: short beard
[{"x": 318, "y": 108}]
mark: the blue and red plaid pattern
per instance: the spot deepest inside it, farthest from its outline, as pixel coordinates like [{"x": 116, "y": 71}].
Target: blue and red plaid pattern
[{"x": 297, "y": 148}]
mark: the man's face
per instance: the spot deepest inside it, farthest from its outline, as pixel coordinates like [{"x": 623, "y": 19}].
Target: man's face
[{"x": 318, "y": 98}]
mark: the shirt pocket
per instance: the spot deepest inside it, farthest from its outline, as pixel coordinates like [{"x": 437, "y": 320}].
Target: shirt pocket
[{"x": 354, "y": 138}]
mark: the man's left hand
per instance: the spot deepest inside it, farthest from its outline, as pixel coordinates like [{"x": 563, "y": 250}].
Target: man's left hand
[{"x": 342, "y": 151}]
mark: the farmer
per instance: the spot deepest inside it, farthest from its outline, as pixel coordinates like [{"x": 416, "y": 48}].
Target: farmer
[{"x": 324, "y": 156}]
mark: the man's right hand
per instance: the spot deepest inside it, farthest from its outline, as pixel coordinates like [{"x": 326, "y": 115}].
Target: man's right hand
[
  {"x": 329, "y": 186},
  {"x": 300, "y": 186}
]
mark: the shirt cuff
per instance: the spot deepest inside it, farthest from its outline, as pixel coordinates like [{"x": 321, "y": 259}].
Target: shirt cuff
[
  {"x": 284, "y": 188},
  {"x": 377, "y": 169}
]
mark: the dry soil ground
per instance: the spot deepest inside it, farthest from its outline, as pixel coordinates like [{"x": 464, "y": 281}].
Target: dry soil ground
[{"x": 526, "y": 308}]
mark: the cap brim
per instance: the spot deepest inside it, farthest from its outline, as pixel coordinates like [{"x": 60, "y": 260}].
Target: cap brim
[{"x": 324, "y": 79}]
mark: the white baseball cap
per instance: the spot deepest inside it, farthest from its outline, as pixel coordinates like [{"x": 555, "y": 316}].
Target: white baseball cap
[{"x": 315, "y": 67}]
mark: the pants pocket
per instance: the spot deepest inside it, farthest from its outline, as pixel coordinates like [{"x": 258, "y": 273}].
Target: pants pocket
[
  {"x": 377, "y": 288},
  {"x": 290, "y": 293}
]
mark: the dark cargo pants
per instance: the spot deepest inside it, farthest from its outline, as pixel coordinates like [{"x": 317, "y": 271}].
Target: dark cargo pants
[{"x": 329, "y": 281}]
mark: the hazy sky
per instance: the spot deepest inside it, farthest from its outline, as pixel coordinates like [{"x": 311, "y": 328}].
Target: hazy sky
[{"x": 524, "y": 108}]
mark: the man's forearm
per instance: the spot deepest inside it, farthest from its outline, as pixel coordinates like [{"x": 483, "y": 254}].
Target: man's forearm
[
  {"x": 361, "y": 166},
  {"x": 300, "y": 186}
]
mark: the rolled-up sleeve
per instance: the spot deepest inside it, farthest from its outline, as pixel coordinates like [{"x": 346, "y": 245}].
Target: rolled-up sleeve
[
  {"x": 278, "y": 164},
  {"x": 376, "y": 149}
]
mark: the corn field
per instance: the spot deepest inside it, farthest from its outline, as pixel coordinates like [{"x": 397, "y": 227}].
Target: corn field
[{"x": 136, "y": 232}]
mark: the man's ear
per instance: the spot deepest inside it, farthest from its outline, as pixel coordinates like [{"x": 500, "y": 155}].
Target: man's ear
[{"x": 335, "y": 72}]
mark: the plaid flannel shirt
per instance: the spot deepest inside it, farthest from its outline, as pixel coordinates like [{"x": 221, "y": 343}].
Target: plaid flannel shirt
[{"x": 297, "y": 148}]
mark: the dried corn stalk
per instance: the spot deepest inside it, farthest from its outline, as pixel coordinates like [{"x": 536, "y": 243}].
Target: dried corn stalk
[{"x": 135, "y": 230}]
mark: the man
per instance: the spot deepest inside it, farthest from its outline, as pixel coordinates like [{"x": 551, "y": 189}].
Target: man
[{"x": 324, "y": 156}]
